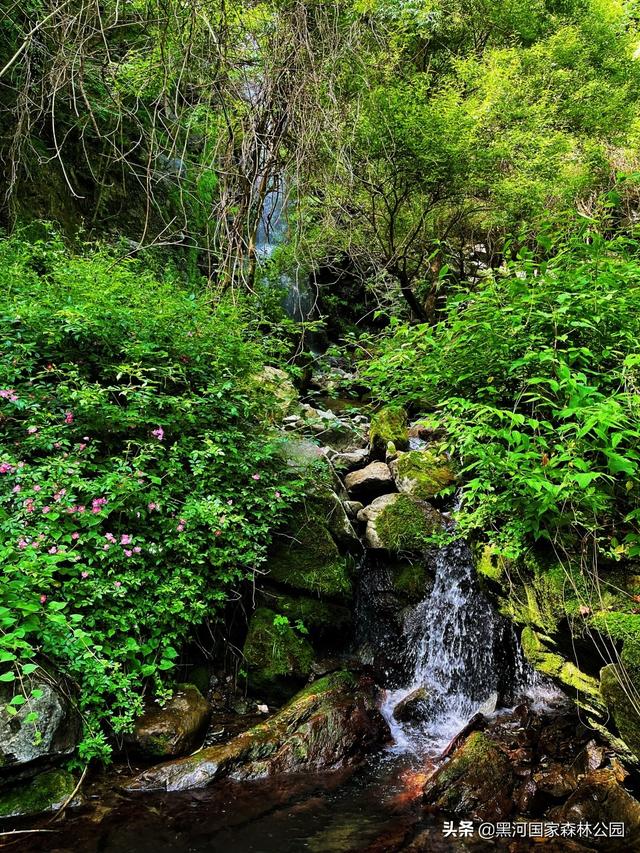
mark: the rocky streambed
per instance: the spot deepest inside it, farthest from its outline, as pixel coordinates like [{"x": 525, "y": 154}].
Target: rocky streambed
[{"x": 388, "y": 698}]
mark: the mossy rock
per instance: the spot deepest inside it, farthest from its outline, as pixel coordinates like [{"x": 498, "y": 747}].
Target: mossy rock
[
  {"x": 407, "y": 525},
  {"x": 274, "y": 649},
  {"x": 538, "y": 651},
  {"x": 491, "y": 564},
  {"x": 275, "y": 384},
  {"x": 422, "y": 473},
  {"x": 47, "y": 792},
  {"x": 621, "y": 707},
  {"x": 410, "y": 580},
  {"x": 622, "y": 627},
  {"x": 323, "y": 619},
  {"x": 310, "y": 561},
  {"x": 324, "y": 505},
  {"x": 388, "y": 425}
]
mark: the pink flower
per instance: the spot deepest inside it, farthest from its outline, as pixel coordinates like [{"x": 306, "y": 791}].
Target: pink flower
[
  {"x": 37, "y": 488},
  {"x": 16, "y": 489},
  {"x": 158, "y": 433},
  {"x": 218, "y": 533},
  {"x": 59, "y": 495},
  {"x": 46, "y": 509},
  {"x": 8, "y": 394},
  {"x": 230, "y": 503},
  {"x": 84, "y": 575},
  {"x": 152, "y": 506},
  {"x": 128, "y": 552},
  {"x": 68, "y": 418},
  {"x": 97, "y": 504},
  {"x": 53, "y": 550},
  {"x": 5, "y": 468},
  {"x": 125, "y": 539},
  {"x": 28, "y": 505},
  {"x": 75, "y": 536},
  {"x": 180, "y": 528},
  {"x": 22, "y": 544},
  {"x": 82, "y": 446},
  {"x": 109, "y": 537},
  {"x": 43, "y": 599},
  {"x": 106, "y": 546},
  {"x": 255, "y": 476},
  {"x": 137, "y": 549},
  {"x": 81, "y": 508},
  {"x": 118, "y": 584},
  {"x": 57, "y": 445},
  {"x": 277, "y": 494},
  {"x": 32, "y": 430}
]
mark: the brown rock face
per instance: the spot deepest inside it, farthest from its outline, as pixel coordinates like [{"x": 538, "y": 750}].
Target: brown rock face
[
  {"x": 173, "y": 730},
  {"x": 412, "y": 707},
  {"x": 329, "y": 724},
  {"x": 369, "y": 482}
]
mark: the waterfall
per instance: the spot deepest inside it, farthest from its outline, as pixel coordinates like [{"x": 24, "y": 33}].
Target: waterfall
[{"x": 462, "y": 656}]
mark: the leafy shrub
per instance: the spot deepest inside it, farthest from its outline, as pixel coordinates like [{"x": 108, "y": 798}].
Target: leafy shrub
[{"x": 138, "y": 483}]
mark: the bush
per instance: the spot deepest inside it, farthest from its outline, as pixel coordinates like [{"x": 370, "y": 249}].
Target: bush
[{"x": 138, "y": 484}]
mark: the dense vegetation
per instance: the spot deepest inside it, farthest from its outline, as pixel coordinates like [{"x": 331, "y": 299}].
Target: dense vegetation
[{"x": 460, "y": 181}]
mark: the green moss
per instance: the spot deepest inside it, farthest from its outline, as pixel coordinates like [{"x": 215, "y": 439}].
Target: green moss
[
  {"x": 490, "y": 563},
  {"x": 310, "y": 561},
  {"x": 623, "y": 627},
  {"x": 273, "y": 650},
  {"x": 388, "y": 425},
  {"x": 408, "y": 524},
  {"x": 617, "y": 687},
  {"x": 319, "y": 617},
  {"x": 410, "y": 580},
  {"x": 45, "y": 793},
  {"x": 423, "y": 474},
  {"x": 537, "y": 651}
]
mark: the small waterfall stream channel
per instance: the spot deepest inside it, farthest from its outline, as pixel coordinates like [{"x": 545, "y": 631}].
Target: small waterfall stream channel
[{"x": 444, "y": 666}]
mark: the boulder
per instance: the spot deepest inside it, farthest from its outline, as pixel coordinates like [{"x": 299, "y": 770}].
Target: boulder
[
  {"x": 388, "y": 425},
  {"x": 400, "y": 523},
  {"x": 370, "y": 482},
  {"x": 421, "y": 473},
  {"x": 352, "y": 508},
  {"x": 620, "y": 705},
  {"x": 175, "y": 728},
  {"x": 57, "y": 723},
  {"x": 275, "y": 651},
  {"x": 277, "y": 384},
  {"x": 47, "y": 792},
  {"x": 329, "y": 724},
  {"x": 326, "y": 621},
  {"x": 478, "y": 781},
  {"x": 348, "y": 461},
  {"x": 413, "y": 708}
]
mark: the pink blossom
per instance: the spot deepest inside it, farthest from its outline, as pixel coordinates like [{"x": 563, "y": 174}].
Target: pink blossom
[
  {"x": 158, "y": 433},
  {"x": 109, "y": 537},
  {"x": 53, "y": 550},
  {"x": 255, "y": 476},
  {"x": 16, "y": 489},
  {"x": 46, "y": 509},
  {"x": 97, "y": 504},
  {"x": 43, "y": 599},
  {"x": 81, "y": 508},
  {"x": 37, "y": 488},
  {"x": 22, "y": 544},
  {"x": 59, "y": 495},
  {"x": 137, "y": 549},
  {"x": 57, "y": 445},
  {"x": 125, "y": 539},
  {"x": 84, "y": 575},
  {"x": 82, "y": 446},
  {"x": 106, "y": 546},
  {"x": 152, "y": 506},
  {"x": 5, "y": 468},
  {"x": 8, "y": 394},
  {"x": 68, "y": 418},
  {"x": 118, "y": 584},
  {"x": 180, "y": 528},
  {"x": 218, "y": 533},
  {"x": 75, "y": 536},
  {"x": 32, "y": 430},
  {"x": 128, "y": 552},
  {"x": 277, "y": 494}
]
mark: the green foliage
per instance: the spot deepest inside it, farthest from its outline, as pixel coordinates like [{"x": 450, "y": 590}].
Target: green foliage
[{"x": 135, "y": 497}]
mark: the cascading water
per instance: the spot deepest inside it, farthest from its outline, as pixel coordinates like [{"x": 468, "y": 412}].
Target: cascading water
[{"x": 463, "y": 658}]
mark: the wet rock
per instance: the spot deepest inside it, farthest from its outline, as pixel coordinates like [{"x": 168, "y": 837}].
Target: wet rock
[
  {"x": 621, "y": 707},
  {"x": 413, "y": 708},
  {"x": 421, "y": 473},
  {"x": 47, "y": 792},
  {"x": 477, "y": 780},
  {"x": 370, "y": 482},
  {"x": 352, "y": 508},
  {"x": 172, "y": 730},
  {"x": 326, "y": 621},
  {"x": 57, "y": 723},
  {"x": 388, "y": 425},
  {"x": 600, "y": 798},
  {"x": 329, "y": 724}
]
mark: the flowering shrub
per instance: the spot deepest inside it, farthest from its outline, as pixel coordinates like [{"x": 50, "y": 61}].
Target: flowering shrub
[{"x": 138, "y": 484}]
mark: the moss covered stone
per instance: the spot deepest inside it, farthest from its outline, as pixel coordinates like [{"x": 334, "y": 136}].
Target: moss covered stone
[
  {"x": 407, "y": 524},
  {"x": 537, "y": 649},
  {"x": 422, "y": 473},
  {"x": 622, "y": 627},
  {"x": 310, "y": 561},
  {"x": 388, "y": 425},
  {"x": 491, "y": 564},
  {"x": 321, "y": 618},
  {"x": 410, "y": 580},
  {"x": 46, "y": 793},
  {"x": 274, "y": 649},
  {"x": 619, "y": 690}
]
